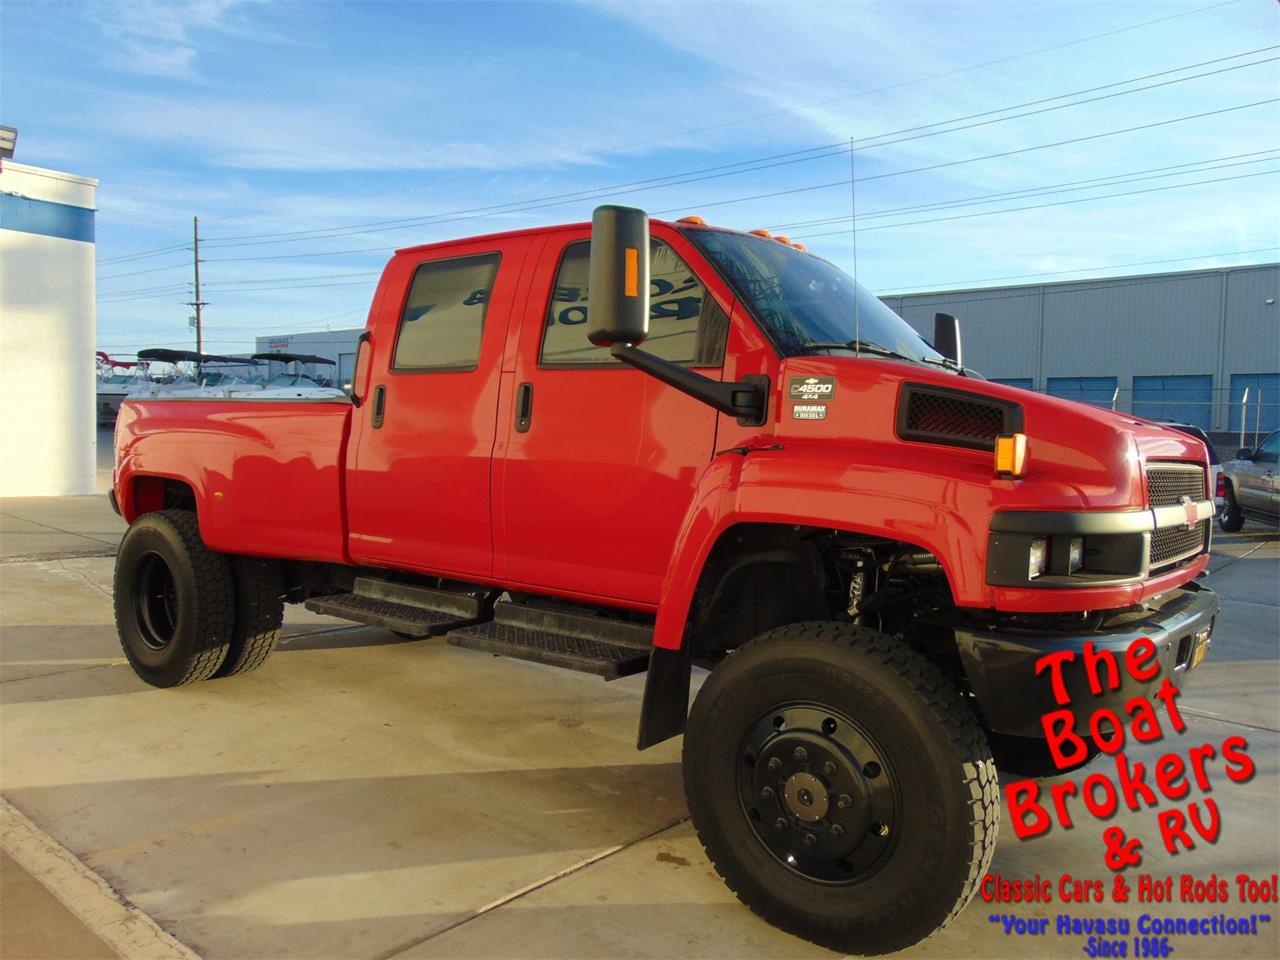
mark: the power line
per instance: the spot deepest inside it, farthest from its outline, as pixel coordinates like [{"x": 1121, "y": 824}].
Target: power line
[
  {"x": 749, "y": 166},
  {"x": 821, "y": 186},
  {"x": 955, "y": 163},
  {"x": 1065, "y": 287},
  {"x": 915, "y": 287},
  {"x": 648, "y": 141},
  {"x": 1040, "y": 206},
  {"x": 1260, "y": 156}
]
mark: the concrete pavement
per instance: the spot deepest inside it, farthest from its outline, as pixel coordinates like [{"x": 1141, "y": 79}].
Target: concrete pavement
[{"x": 366, "y": 797}]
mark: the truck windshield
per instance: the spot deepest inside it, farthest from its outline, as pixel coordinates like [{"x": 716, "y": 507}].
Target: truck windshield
[{"x": 806, "y": 304}]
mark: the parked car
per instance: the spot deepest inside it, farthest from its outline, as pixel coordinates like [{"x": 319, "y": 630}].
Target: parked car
[
  {"x": 1251, "y": 490},
  {"x": 1215, "y": 465},
  {"x": 727, "y": 454}
]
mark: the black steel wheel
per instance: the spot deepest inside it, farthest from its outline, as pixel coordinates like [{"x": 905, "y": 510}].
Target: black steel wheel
[
  {"x": 819, "y": 793},
  {"x": 841, "y": 786},
  {"x": 174, "y": 600}
]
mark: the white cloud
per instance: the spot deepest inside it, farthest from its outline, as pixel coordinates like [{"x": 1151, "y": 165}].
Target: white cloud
[{"x": 161, "y": 37}]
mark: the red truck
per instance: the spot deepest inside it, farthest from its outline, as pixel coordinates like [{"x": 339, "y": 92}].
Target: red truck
[{"x": 638, "y": 446}]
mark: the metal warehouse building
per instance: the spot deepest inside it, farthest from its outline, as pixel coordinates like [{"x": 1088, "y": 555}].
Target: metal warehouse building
[{"x": 1171, "y": 346}]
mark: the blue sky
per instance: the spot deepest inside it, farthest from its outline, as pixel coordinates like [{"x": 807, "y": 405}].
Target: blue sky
[{"x": 294, "y": 130}]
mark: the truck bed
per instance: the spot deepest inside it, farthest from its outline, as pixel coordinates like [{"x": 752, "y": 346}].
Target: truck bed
[{"x": 267, "y": 476}]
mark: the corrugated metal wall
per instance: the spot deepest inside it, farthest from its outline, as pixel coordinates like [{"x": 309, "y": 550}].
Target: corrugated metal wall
[{"x": 1216, "y": 323}]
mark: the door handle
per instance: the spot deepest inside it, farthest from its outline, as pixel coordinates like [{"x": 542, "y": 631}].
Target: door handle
[
  {"x": 524, "y": 407},
  {"x": 379, "y": 406}
]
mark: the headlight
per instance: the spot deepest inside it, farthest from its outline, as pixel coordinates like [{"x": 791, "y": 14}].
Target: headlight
[{"x": 1038, "y": 561}]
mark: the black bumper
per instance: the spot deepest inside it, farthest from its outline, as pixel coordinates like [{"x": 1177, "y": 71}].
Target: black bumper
[{"x": 1000, "y": 664}]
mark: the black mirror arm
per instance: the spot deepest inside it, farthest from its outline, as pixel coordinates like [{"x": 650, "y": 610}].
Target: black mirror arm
[{"x": 746, "y": 400}]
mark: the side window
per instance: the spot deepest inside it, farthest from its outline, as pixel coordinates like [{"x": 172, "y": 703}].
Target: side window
[
  {"x": 1269, "y": 451},
  {"x": 443, "y": 318},
  {"x": 685, "y": 324}
]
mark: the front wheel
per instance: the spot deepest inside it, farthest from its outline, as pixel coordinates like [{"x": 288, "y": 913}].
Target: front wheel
[
  {"x": 841, "y": 787},
  {"x": 174, "y": 600},
  {"x": 1231, "y": 519}
]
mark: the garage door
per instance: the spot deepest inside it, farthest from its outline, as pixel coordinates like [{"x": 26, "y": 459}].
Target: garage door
[
  {"x": 1186, "y": 399},
  {"x": 1095, "y": 390},
  {"x": 1265, "y": 415}
]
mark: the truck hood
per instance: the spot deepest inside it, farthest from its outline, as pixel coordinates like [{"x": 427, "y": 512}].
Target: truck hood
[{"x": 1079, "y": 456}]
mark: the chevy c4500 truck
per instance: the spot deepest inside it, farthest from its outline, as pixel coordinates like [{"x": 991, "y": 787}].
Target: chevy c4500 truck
[{"x": 635, "y": 446}]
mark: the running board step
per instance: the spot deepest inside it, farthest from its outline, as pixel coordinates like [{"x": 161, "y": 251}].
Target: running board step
[
  {"x": 403, "y": 608},
  {"x": 575, "y": 641}
]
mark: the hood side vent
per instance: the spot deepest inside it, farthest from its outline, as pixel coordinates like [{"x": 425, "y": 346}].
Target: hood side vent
[{"x": 957, "y": 418}]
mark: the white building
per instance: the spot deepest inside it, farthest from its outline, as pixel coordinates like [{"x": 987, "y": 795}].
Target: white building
[
  {"x": 336, "y": 345},
  {"x": 47, "y": 320}
]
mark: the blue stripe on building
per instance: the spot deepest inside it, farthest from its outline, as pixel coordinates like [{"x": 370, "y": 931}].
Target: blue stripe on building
[{"x": 46, "y": 218}]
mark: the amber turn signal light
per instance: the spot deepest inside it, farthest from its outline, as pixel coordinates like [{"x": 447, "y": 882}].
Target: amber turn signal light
[{"x": 1011, "y": 455}]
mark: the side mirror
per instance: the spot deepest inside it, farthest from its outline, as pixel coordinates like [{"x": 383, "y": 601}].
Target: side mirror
[
  {"x": 618, "y": 284},
  {"x": 1244, "y": 454},
  {"x": 946, "y": 336}
]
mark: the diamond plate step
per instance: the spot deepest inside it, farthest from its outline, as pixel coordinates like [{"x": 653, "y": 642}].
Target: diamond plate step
[
  {"x": 589, "y": 644},
  {"x": 401, "y": 617}
]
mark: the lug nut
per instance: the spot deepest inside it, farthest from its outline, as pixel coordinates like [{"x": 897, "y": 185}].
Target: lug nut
[
  {"x": 844, "y": 801},
  {"x": 801, "y": 754},
  {"x": 766, "y": 793},
  {"x": 829, "y": 769},
  {"x": 810, "y": 840},
  {"x": 774, "y": 764},
  {"x": 836, "y": 831},
  {"x": 780, "y": 824}
]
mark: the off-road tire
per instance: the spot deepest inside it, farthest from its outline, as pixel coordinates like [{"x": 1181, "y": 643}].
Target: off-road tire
[
  {"x": 1231, "y": 517},
  {"x": 259, "y": 614},
  {"x": 174, "y": 600},
  {"x": 949, "y": 791}
]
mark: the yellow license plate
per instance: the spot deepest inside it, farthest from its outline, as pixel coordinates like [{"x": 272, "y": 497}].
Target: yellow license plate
[{"x": 1200, "y": 646}]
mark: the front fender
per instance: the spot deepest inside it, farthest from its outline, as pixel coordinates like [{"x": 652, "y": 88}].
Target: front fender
[{"x": 818, "y": 486}]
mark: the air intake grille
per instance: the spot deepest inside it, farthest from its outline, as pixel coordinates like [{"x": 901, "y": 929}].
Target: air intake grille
[
  {"x": 1177, "y": 543},
  {"x": 938, "y": 415},
  {"x": 1168, "y": 483}
]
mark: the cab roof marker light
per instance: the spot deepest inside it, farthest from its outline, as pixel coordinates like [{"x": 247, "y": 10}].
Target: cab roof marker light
[
  {"x": 696, "y": 221},
  {"x": 761, "y": 233},
  {"x": 801, "y": 247},
  {"x": 1011, "y": 455},
  {"x": 781, "y": 239}
]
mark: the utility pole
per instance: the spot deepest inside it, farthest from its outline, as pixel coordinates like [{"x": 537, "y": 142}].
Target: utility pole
[{"x": 197, "y": 302}]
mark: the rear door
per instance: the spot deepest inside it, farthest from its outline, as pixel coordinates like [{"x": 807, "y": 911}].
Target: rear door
[
  {"x": 601, "y": 461},
  {"x": 1257, "y": 491},
  {"x": 419, "y": 478}
]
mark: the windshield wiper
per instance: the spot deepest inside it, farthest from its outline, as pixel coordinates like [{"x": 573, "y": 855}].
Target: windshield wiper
[
  {"x": 868, "y": 346},
  {"x": 862, "y": 346}
]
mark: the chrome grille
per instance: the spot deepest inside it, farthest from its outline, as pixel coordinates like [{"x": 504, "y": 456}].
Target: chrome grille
[
  {"x": 1168, "y": 483},
  {"x": 1172, "y": 544}
]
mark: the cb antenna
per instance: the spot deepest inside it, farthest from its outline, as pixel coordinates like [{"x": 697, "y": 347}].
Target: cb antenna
[{"x": 853, "y": 226}]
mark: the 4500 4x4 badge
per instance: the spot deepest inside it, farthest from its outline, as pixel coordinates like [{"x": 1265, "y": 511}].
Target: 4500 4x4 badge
[{"x": 811, "y": 388}]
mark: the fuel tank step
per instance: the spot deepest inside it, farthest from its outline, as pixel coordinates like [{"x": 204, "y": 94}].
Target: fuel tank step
[
  {"x": 404, "y": 608},
  {"x": 560, "y": 638}
]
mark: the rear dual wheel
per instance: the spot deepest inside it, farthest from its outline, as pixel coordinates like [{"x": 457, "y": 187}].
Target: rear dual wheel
[
  {"x": 186, "y": 613},
  {"x": 841, "y": 787}
]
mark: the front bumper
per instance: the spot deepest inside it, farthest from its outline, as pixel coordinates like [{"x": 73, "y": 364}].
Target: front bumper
[
  {"x": 1120, "y": 546},
  {"x": 1000, "y": 663}
]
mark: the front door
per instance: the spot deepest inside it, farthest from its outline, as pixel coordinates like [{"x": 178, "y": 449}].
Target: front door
[
  {"x": 601, "y": 461},
  {"x": 1257, "y": 490},
  {"x": 418, "y": 485}
]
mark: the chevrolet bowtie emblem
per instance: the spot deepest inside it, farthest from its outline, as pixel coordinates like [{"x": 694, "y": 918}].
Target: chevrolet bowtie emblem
[{"x": 1193, "y": 515}]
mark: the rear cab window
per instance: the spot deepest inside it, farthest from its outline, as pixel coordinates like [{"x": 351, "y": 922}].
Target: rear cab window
[
  {"x": 442, "y": 324},
  {"x": 686, "y": 324}
]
